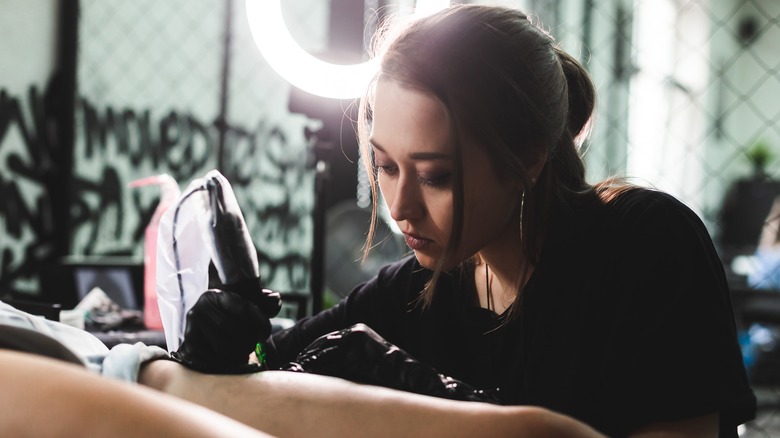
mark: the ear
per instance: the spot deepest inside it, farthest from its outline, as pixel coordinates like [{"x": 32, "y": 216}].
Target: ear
[{"x": 535, "y": 169}]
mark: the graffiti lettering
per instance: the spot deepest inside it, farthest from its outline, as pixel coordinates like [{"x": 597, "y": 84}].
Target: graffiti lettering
[
  {"x": 25, "y": 210},
  {"x": 277, "y": 193},
  {"x": 266, "y": 171},
  {"x": 180, "y": 144}
]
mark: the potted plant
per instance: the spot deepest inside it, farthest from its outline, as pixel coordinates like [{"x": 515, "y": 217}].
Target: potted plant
[
  {"x": 747, "y": 203},
  {"x": 759, "y": 156}
]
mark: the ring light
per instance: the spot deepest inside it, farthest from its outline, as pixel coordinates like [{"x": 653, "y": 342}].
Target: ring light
[{"x": 299, "y": 67}]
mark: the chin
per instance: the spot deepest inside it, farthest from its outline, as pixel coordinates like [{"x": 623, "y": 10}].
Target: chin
[
  {"x": 430, "y": 262},
  {"x": 427, "y": 261}
]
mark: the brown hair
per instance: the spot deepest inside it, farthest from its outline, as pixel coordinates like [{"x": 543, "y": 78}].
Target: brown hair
[{"x": 503, "y": 81}]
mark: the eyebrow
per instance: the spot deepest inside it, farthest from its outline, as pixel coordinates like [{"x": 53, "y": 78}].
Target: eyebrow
[{"x": 421, "y": 156}]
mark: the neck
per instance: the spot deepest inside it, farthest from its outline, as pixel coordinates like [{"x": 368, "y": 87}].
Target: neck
[
  {"x": 507, "y": 273},
  {"x": 505, "y": 265},
  {"x": 493, "y": 292},
  {"x": 508, "y": 269}
]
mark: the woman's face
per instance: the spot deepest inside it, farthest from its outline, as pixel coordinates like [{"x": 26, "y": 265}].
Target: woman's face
[{"x": 415, "y": 157}]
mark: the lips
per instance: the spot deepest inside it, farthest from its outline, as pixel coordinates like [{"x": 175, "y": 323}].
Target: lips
[{"x": 416, "y": 242}]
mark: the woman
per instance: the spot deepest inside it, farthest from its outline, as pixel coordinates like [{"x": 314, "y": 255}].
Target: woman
[{"x": 606, "y": 303}]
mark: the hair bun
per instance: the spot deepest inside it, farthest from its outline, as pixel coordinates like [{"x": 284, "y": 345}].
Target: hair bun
[{"x": 582, "y": 94}]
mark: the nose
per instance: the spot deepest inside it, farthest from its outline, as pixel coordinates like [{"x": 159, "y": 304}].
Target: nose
[{"x": 405, "y": 201}]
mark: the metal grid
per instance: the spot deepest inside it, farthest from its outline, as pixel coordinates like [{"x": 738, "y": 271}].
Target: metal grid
[
  {"x": 179, "y": 87},
  {"x": 685, "y": 94}
]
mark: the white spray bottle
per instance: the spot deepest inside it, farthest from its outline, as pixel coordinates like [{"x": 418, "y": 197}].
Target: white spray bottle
[{"x": 169, "y": 194}]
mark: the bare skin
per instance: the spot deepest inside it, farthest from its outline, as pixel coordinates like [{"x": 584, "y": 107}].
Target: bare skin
[
  {"x": 51, "y": 398},
  {"x": 45, "y": 397},
  {"x": 295, "y": 404}
]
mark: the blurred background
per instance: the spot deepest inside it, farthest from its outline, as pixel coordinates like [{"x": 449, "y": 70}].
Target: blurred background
[{"x": 97, "y": 93}]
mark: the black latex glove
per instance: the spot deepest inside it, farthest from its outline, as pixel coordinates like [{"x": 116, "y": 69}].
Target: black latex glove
[
  {"x": 359, "y": 354},
  {"x": 224, "y": 325},
  {"x": 223, "y": 328}
]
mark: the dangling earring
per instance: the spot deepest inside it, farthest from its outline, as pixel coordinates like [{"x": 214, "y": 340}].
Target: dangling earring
[{"x": 522, "y": 209}]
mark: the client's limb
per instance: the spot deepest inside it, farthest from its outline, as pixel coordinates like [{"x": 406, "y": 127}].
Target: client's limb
[
  {"x": 45, "y": 397},
  {"x": 298, "y": 404}
]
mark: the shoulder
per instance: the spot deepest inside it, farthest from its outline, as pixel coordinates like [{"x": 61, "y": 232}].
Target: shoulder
[
  {"x": 628, "y": 213},
  {"x": 638, "y": 201},
  {"x": 638, "y": 209},
  {"x": 636, "y": 228},
  {"x": 656, "y": 239}
]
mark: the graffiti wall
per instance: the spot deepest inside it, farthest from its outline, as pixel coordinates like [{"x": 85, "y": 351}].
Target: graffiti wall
[
  {"x": 26, "y": 168},
  {"x": 27, "y": 142},
  {"x": 162, "y": 91},
  {"x": 266, "y": 165},
  {"x": 173, "y": 87}
]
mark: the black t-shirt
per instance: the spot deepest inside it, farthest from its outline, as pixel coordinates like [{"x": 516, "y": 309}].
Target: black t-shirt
[{"x": 626, "y": 321}]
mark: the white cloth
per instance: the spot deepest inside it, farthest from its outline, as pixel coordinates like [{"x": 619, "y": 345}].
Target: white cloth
[
  {"x": 121, "y": 362},
  {"x": 87, "y": 347},
  {"x": 124, "y": 360}
]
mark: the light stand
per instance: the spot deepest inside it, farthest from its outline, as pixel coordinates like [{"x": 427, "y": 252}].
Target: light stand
[{"x": 333, "y": 157}]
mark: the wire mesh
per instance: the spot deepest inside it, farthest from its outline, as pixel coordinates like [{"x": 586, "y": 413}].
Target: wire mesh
[
  {"x": 179, "y": 87},
  {"x": 688, "y": 102}
]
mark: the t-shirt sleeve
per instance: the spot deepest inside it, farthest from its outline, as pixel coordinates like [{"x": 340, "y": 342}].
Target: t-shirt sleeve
[{"x": 674, "y": 352}]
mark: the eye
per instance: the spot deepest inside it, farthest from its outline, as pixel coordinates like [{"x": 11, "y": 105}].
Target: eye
[
  {"x": 437, "y": 180},
  {"x": 390, "y": 170}
]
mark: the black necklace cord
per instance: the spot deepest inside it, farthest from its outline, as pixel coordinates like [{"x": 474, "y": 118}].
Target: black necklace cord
[{"x": 488, "y": 288}]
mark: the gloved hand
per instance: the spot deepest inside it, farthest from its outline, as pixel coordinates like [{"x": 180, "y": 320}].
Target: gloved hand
[
  {"x": 361, "y": 355},
  {"x": 224, "y": 325},
  {"x": 223, "y": 328}
]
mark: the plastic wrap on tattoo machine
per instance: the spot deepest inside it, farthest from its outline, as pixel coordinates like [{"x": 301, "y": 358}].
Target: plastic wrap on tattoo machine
[
  {"x": 182, "y": 261},
  {"x": 204, "y": 225}
]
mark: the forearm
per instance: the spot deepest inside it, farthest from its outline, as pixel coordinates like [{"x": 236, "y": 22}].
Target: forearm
[
  {"x": 295, "y": 404},
  {"x": 45, "y": 397}
]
